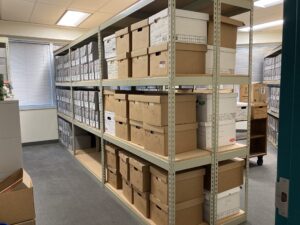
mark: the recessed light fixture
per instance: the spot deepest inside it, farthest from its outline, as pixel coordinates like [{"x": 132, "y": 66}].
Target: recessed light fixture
[
  {"x": 72, "y": 18},
  {"x": 267, "y": 3},
  {"x": 262, "y": 26}
]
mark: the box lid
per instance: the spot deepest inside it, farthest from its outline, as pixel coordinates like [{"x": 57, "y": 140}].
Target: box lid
[
  {"x": 221, "y": 122},
  {"x": 140, "y": 24},
  {"x": 190, "y": 174},
  {"x": 132, "y": 97},
  {"x": 123, "y": 31},
  {"x": 204, "y": 96},
  {"x": 179, "y": 46},
  {"x": 140, "y": 52},
  {"x": 138, "y": 164},
  {"x": 164, "y": 98},
  {"x": 108, "y": 92},
  {"x": 226, "y": 50},
  {"x": 121, "y": 119},
  {"x": 161, "y": 174},
  {"x": 233, "y": 22},
  {"x": 223, "y": 194},
  {"x": 121, "y": 96},
  {"x": 136, "y": 123},
  {"x": 125, "y": 55},
  {"x": 109, "y": 37},
  {"x": 231, "y": 164},
  {"x": 123, "y": 156},
  {"x": 162, "y": 130},
  {"x": 111, "y": 59},
  {"x": 110, "y": 148},
  {"x": 144, "y": 195},
  {"x": 158, "y": 48}
]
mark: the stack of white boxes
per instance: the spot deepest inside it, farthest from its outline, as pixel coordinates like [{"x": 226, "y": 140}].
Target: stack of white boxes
[
  {"x": 75, "y": 65},
  {"x": 3, "y": 66},
  {"x": 78, "y": 105},
  {"x": 110, "y": 56},
  {"x": 227, "y": 114},
  {"x": 63, "y": 97},
  {"x": 93, "y": 58},
  {"x": 65, "y": 133},
  {"x": 273, "y": 127},
  {"x": 109, "y": 112},
  {"x": 274, "y": 99},
  {"x": 62, "y": 68},
  {"x": 272, "y": 68}
]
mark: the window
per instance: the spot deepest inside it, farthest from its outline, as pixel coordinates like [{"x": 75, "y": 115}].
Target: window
[{"x": 32, "y": 74}]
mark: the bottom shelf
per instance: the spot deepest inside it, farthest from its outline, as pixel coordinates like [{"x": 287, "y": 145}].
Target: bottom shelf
[
  {"x": 91, "y": 160},
  {"x": 118, "y": 194}
]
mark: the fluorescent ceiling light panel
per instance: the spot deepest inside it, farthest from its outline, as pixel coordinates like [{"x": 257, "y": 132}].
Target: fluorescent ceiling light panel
[
  {"x": 72, "y": 18},
  {"x": 267, "y": 3},
  {"x": 262, "y": 26}
]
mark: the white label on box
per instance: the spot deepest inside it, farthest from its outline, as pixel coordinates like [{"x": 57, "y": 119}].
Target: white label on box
[
  {"x": 162, "y": 64},
  {"x": 110, "y": 126}
]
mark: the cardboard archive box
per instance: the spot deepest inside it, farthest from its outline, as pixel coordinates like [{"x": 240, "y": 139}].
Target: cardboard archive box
[
  {"x": 231, "y": 175},
  {"x": 124, "y": 65},
  {"x": 16, "y": 199},
  {"x": 127, "y": 190},
  {"x": 124, "y": 165},
  {"x": 141, "y": 201},
  {"x": 110, "y": 123},
  {"x": 156, "y": 138},
  {"x": 189, "y": 184},
  {"x": 140, "y": 63},
  {"x": 114, "y": 178},
  {"x": 259, "y": 93},
  {"x": 123, "y": 40},
  {"x": 137, "y": 132},
  {"x": 187, "y": 213},
  {"x": 155, "y": 110},
  {"x": 121, "y": 105},
  {"x": 109, "y": 100},
  {"x": 139, "y": 174},
  {"x": 229, "y": 28},
  {"x": 136, "y": 105},
  {"x": 112, "y": 156},
  {"x": 110, "y": 46},
  {"x": 190, "y": 60},
  {"x": 122, "y": 128},
  {"x": 112, "y": 68},
  {"x": 259, "y": 111},
  {"x": 140, "y": 35}
]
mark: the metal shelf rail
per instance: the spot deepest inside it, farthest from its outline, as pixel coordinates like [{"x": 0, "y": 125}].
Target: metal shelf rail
[{"x": 141, "y": 10}]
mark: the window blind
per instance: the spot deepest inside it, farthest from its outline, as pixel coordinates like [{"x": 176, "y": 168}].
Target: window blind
[{"x": 31, "y": 74}]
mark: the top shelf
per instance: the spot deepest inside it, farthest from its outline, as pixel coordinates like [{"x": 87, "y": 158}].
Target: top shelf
[{"x": 145, "y": 8}]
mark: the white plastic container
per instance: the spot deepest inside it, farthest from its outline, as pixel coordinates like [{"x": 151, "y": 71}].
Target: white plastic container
[
  {"x": 227, "y": 134},
  {"x": 110, "y": 126},
  {"x": 228, "y": 204},
  {"x": 112, "y": 68},
  {"x": 110, "y": 46},
  {"x": 227, "y": 60},
  {"x": 191, "y": 27},
  {"x": 227, "y": 107},
  {"x": 241, "y": 111}
]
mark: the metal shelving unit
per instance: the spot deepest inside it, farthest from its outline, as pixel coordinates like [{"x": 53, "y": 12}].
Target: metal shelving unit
[{"x": 173, "y": 163}]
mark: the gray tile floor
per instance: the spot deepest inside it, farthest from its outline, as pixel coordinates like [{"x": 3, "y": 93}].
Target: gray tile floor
[{"x": 66, "y": 194}]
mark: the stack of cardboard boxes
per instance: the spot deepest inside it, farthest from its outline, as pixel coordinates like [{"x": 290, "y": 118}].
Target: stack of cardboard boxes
[
  {"x": 110, "y": 55},
  {"x": 64, "y": 101}
]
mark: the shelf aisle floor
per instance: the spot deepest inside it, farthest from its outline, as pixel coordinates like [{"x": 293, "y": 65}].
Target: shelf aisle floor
[{"x": 67, "y": 194}]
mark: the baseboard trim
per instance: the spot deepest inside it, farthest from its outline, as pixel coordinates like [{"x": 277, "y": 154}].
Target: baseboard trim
[{"x": 40, "y": 142}]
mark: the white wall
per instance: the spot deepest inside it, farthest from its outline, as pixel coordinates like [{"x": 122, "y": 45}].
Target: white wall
[
  {"x": 260, "y": 37},
  {"x": 38, "y": 125}
]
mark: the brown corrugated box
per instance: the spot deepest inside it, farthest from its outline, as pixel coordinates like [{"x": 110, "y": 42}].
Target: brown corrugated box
[
  {"x": 259, "y": 111},
  {"x": 16, "y": 198},
  {"x": 122, "y": 128},
  {"x": 123, "y": 41},
  {"x": 190, "y": 59},
  {"x": 231, "y": 175},
  {"x": 259, "y": 93},
  {"x": 30, "y": 222},
  {"x": 127, "y": 190},
  {"x": 140, "y": 35},
  {"x": 155, "y": 110},
  {"x": 112, "y": 156},
  {"x": 114, "y": 178},
  {"x": 141, "y": 202},
  {"x": 136, "y": 105},
  {"x": 189, "y": 184},
  {"x": 140, "y": 63},
  {"x": 187, "y": 213},
  {"x": 109, "y": 101},
  {"x": 124, "y": 65},
  {"x": 137, "y": 132},
  {"x": 124, "y": 165},
  {"x": 121, "y": 105},
  {"x": 156, "y": 138},
  {"x": 229, "y": 29},
  {"x": 139, "y": 175}
]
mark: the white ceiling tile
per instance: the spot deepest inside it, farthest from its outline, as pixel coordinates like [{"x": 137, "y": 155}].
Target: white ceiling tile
[
  {"x": 64, "y": 3},
  {"x": 95, "y": 20},
  {"x": 47, "y": 13},
  {"x": 17, "y": 10},
  {"x": 115, "y": 6},
  {"x": 87, "y": 5}
]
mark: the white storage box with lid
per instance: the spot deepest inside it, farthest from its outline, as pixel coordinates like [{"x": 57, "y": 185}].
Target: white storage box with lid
[
  {"x": 227, "y": 60},
  {"x": 110, "y": 46},
  {"x": 228, "y": 204},
  {"x": 227, "y": 107},
  {"x": 227, "y": 134},
  {"x": 112, "y": 68},
  {"x": 110, "y": 125},
  {"x": 241, "y": 111},
  {"x": 191, "y": 27}
]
